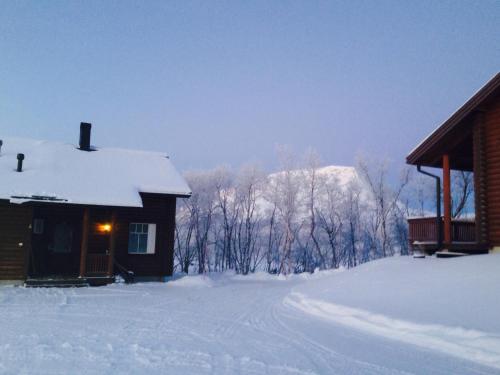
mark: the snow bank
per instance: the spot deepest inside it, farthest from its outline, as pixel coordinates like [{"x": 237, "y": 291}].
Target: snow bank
[
  {"x": 199, "y": 281},
  {"x": 265, "y": 276},
  {"x": 477, "y": 346},
  {"x": 447, "y": 305},
  {"x": 259, "y": 276}
]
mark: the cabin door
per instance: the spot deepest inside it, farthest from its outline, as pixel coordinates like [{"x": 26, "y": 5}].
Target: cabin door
[{"x": 55, "y": 251}]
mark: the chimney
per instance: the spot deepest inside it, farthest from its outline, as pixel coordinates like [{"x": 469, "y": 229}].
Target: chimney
[
  {"x": 20, "y": 158},
  {"x": 1, "y": 144},
  {"x": 85, "y": 136}
]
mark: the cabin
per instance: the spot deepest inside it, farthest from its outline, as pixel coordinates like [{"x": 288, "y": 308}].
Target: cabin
[
  {"x": 81, "y": 215},
  {"x": 469, "y": 141}
]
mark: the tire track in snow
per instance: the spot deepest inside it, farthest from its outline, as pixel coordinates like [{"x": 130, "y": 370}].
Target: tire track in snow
[
  {"x": 322, "y": 353},
  {"x": 480, "y": 347}
]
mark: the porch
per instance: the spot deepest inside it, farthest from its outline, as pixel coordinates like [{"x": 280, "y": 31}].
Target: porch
[
  {"x": 72, "y": 246},
  {"x": 460, "y": 151},
  {"x": 467, "y": 141},
  {"x": 425, "y": 234}
]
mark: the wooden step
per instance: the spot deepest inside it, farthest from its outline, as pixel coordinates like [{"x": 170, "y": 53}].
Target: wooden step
[
  {"x": 449, "y": 254},
  {"x": 56, "y": 283},
  {"x": 100, "y": 280}
]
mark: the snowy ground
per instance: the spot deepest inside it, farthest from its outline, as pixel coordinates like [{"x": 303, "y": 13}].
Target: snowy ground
[{"x": 393, "y": 316}]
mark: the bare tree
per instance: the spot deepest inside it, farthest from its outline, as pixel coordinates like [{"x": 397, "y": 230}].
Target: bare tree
[
  {"x": 421, "y": 191},
  {"x": 294, "y": 220},
  {"x": 274, "y": 230},
  {"x": 463, "y": 185},
  {"x": 184, "y": 251},
  {"x": 384, "y": 201},
  {"x": 312, "y": 183},
  {"x": 352, "y": 217},
  {"x": 330, "y": 219},
  {"x": 228, "y": 209},
  {"x": 201, "y": 207},
  {"x": 248, "y": 190},
  {"x": 287, "y": 203}
]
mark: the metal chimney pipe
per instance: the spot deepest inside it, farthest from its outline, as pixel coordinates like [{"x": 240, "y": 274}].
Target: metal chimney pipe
[
  {"x": 85, "y": 136},
  {"x": 1, "y": 144},
  {"x": 20, "y": 158}
]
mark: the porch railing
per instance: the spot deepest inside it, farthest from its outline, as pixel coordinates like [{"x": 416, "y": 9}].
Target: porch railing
[
  {"x": 97, "y": 264},
  {"x": 423, "y": 229}
]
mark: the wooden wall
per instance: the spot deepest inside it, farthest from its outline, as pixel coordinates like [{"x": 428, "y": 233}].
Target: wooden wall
[
  {"x": 158, "y": 209},
  {"x": 15, "y": 229},
  {"x": 16, "y": 221},
  {"x": 161, "y": 211},
  {"x": 492, "y": 130}
]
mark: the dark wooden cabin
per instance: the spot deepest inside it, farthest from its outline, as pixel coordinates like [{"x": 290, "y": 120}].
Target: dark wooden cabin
[
  {"x": 470, "y": 141},
  {"x": 82, "y": 215}
]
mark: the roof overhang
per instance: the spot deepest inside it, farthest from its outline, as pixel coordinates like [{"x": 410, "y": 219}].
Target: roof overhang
[{"x": 454, "y": 136}]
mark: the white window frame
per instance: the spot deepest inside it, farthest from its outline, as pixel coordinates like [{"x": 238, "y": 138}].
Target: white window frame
[
  {"x": 38, "y": 226},
  {"x": 151, "y": 239}
]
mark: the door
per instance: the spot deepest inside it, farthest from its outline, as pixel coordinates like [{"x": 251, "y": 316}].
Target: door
[{"x": 56, "y": 250}]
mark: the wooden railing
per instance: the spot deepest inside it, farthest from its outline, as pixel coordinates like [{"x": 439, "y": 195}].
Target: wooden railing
[
  {"x": 423, "y": 229},
  {"x": 463, "y": 231},
  {"x": 97, "y": 264}
]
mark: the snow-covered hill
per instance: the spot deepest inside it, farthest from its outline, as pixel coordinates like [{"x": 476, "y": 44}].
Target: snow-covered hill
[
  {"x": 332, "y": 173},
  {"x": 393, "y": 316},
  {"x": 332, "y": 179}
]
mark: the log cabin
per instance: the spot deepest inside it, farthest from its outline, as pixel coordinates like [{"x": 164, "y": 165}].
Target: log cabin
[
  {"x": 79, "y": 215},
  {"x": 468, "y": 141}
]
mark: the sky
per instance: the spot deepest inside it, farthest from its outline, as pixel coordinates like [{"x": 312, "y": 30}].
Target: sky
[{"x": 216, "y": 82}]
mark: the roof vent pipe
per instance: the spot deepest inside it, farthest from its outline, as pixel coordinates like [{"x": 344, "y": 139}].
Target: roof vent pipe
[
  {"x": 20, "y": 158},
  {"x": 1, "y": 143},
  {"x": 85, "y": 136}
]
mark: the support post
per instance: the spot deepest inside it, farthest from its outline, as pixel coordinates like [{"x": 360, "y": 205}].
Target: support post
[
  {"x": 85, "y": 242},
  {"x": 112, "y": 244},
  {"x": 447, "y": 199}
]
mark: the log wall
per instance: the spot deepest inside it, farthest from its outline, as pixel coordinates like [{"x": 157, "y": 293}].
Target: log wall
[
  {"x": 492, "y": 146},
  {"x": 15, "y": 240}
]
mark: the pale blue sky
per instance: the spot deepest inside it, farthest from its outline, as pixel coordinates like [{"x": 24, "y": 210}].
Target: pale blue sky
[{"x": 214, "y": 82}]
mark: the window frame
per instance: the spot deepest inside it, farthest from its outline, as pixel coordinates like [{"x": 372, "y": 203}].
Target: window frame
[
  {"x": 150, "y": 238},
  {"x": 38, "y": 226}
]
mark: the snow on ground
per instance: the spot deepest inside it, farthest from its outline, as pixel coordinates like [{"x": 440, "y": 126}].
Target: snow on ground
[{"x": 394, "y": 316}]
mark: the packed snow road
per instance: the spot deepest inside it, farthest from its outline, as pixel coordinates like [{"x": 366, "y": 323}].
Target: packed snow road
[{"x": 375, "y": 319}]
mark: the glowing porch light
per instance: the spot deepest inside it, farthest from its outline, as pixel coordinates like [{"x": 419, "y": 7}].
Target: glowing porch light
[{"x": 104, "y": 228}]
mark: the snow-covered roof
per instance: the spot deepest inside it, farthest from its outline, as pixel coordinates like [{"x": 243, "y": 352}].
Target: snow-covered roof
[
  {"x": 490, "y": 90},
  {"x": 60, "y": 172}
]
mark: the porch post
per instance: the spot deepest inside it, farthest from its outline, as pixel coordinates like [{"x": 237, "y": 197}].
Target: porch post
[
  {"x": 112, "y": 244},
  {"x": 447, "y": 199},
  {"x": 85, "y": 242}
]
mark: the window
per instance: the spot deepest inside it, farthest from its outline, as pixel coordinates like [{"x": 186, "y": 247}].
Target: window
[
  {"x": 141, "y": 238},
  {"x": 38, "y": 226}
]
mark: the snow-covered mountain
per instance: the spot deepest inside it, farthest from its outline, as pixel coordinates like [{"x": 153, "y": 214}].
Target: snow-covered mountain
[
  {"x": 341, "y": 175},
  {"x": 332, "y": 185}
]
